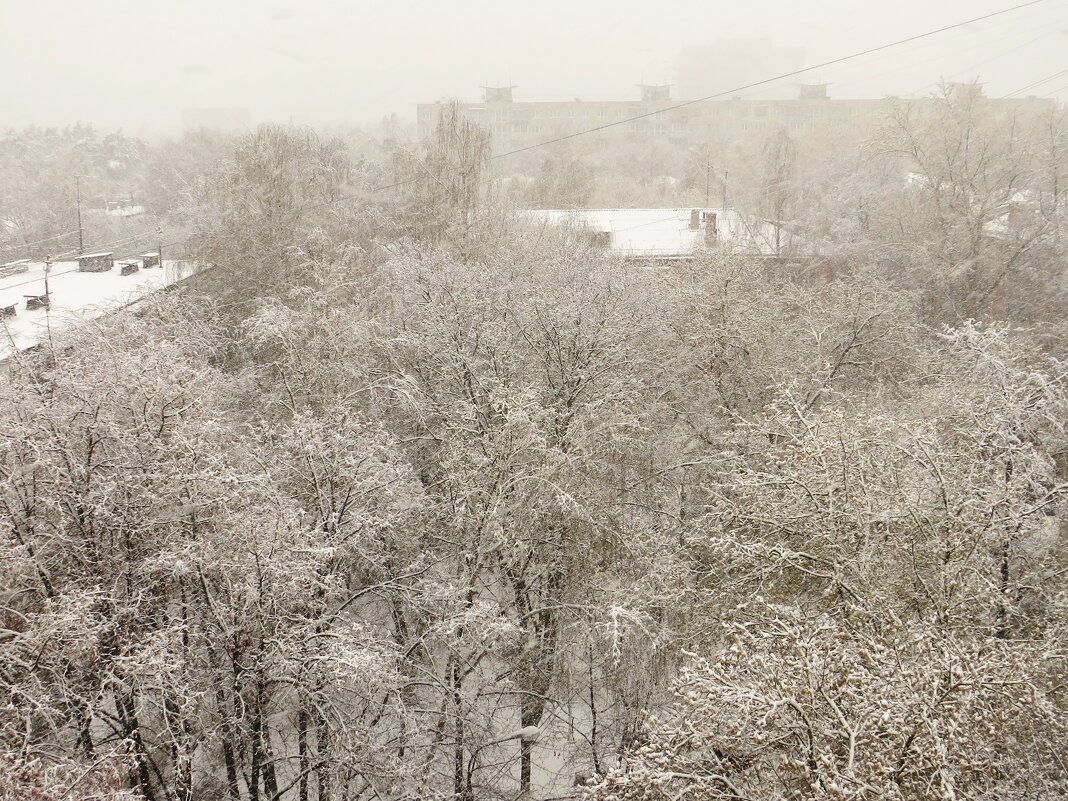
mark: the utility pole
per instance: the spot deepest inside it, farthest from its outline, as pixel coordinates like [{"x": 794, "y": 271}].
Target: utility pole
[
  {"x": 725, "y": 189},
  {"x": 81, "y": 240},
  {"x": 48, "y": 268},
  {"x": 708, "y": 179},
  {"x": 159, "y": 244}
]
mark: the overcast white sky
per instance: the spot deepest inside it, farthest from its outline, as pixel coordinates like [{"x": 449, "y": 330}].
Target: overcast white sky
[{"x": 136, "y": 63}]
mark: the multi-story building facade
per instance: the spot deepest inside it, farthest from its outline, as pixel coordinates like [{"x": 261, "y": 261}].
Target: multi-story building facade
[{"x": 655, "y": 116}]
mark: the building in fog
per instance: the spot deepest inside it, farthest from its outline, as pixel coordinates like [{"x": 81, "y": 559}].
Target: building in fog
[
  {"x": 808, "y": 110},
  {"x": 215, "y": 119},
  {"x": 520, "y": 124},
  {"x": 731, "y": 63}
]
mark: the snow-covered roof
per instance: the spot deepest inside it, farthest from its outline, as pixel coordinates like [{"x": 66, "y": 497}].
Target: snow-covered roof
[
  {"x": 666, "y": 233},
  {"x": 94, "y": 255},
  {"x": 126, "y": 211},
  {"x": 75, "y": 297}
]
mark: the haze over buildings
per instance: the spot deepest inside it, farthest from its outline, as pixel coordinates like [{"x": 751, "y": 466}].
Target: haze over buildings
[
  {"x": 333, "y": 61},
  {"x": 654, "y": 115},
  {"x": 710, "y": 69}
]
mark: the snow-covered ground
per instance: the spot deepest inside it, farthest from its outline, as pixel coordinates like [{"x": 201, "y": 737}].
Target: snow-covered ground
[{"x": 75, "y": 297}]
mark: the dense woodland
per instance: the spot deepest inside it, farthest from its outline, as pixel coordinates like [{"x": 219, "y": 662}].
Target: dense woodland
[{"x": 406, "y": 498}]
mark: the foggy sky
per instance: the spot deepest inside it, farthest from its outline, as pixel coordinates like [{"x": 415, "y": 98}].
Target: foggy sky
[{"x": 136, "y": 63}]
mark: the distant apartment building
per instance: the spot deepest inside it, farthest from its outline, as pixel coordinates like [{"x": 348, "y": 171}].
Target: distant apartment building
[
  {"x": 655, "y": 116},
  {"x": 520, "y": 124}
]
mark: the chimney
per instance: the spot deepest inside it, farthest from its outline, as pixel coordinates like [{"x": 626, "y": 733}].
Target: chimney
[{"x": 95, "y": 263}]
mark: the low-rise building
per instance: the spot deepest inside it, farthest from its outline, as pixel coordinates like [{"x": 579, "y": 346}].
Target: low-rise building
[{"x": 35, "y": 309}]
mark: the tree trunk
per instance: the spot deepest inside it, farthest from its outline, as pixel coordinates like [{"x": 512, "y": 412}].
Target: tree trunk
[
  {"x": 302, "y": 751},
  {"x": 460, "y": 788}
]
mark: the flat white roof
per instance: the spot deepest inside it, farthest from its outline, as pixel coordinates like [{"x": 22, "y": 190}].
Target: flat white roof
[
  {"x": 76, "y": 297},
  {"x": 126, "y": 211},
  {"x": 94, "y": 255},
  {"x": 665, "y": 233}
]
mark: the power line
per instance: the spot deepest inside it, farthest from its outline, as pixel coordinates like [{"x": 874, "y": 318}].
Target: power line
[
  {"x": 675, "y": 107},
  {"x": 1009, "y": 95},
  {"x": 36, "y": 280},
  {"x": 1056, "y": 91},
  {"x": 681, "y": 215},
  {"x": 38, "y": 242},
  {"x": 986, "y": 61},
  {"x": 74, "y": 269},
  {"x": 1039, "y": 82},
  {"x": 114, "y": 244},
  {"x": 1045, "y": 29},
  {"x": 765, "y": 81},
  {"x": 684, "y": 104},
  {"x": 939, "y": 53},
  {"x": 73, "y": 251}
]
